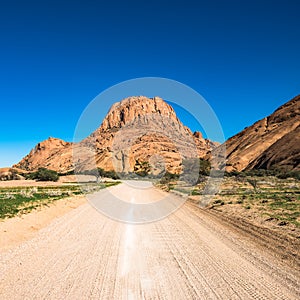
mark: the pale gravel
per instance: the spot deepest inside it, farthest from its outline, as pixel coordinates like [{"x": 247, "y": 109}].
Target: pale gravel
[{"x": 188, "y": 255}]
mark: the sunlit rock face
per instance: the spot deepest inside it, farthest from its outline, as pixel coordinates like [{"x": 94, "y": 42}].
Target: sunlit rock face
[
  {"x": 136, "y": 130},
  {"x": 141, "y": 129},
  {"x": 52, "y": 153},
  {"x": 273, "y": 142}
]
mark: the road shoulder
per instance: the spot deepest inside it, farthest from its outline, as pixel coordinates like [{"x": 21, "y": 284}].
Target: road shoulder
[{"x": 17, "y": 230}]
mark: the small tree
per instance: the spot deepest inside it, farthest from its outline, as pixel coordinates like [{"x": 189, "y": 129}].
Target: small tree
[
  {"x": 204, "y": 168},
  {"x": 43, "y": 174},
  {"x": 96, "y": 173},
  {"x": 253, "y": 182}
]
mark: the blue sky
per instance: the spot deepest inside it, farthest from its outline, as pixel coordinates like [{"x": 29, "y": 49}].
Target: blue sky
[{"x": 56, "y": 56}]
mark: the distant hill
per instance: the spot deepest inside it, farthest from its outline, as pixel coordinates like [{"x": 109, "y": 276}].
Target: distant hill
[
  {"x": 52, "y": 153},
  {"x": 137, "y": 129},
  {"x": 147, "y": 127},
  {"x": 272, "y": 142}
]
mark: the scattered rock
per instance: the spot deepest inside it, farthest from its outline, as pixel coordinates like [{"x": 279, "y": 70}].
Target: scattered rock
[{"x": 282, "y": 223}]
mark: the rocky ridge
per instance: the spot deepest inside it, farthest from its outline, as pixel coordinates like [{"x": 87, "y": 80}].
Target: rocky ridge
[
  {"x": 272, "y": 142},
  {"x": 135, "y": 130},
  {"x": 140, "y": 129}
]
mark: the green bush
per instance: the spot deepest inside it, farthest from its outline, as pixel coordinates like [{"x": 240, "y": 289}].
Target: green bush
[
  {"x": 205, "y": 167},
  {"x": 71, "y": 172},
  {"x": 99, "y": 172},
  {"x": 43, "y": 174},
  {"x": 112, "y": 174},
  {"x": 168, "y": 177},
  {"x": 279, "y": 173},
  {"x": 290, "y": 174},
  {"x": 219, "y": 201}
]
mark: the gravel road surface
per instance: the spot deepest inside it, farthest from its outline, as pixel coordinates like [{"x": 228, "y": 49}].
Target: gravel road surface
[{"x": 188, "y": 255}]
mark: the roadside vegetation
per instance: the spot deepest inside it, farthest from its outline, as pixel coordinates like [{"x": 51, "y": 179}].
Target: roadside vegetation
[
  {"x": 20, "y": 200},
  {"x": 269, "y": 197},
  {"x": 43, "y": 174}
]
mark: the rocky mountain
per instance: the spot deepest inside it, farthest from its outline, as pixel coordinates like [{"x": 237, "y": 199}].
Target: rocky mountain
[
  {"x": 272, "y": 142},
  {"x": 139, "y": 130},
  {"x": 284, "y": 154},
  {"x": 52, "y": 153},
  {"x": 136, "y": 130}
]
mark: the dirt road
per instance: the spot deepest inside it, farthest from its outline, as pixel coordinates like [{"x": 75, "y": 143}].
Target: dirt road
[{"x": 188, "y": 255}]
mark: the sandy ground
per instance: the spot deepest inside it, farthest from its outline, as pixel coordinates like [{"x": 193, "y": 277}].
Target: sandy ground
[
  {"x": 16, "y": 230},
  {"x": 188, "y": 255}
]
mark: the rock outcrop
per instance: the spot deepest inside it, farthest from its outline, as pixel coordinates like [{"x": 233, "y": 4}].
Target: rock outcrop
[
  {"x": 53, "y": 153},
  {"x": 284, "y": 154},
  {"x": 136, "y": 130},
  {"x": 139, "y": 130},
  {"x": 272, "y": 142}
]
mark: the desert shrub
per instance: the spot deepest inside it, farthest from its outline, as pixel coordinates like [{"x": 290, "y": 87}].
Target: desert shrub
[
  {"x": 219, "y": 201},
  {"x": 99, "y": 172},
  {"x": 290, "y": 174},
  {"x": 111, "y": 174},
  {"x": 278, "y": 172},
  {"x": 253, "y": 182},
  {"x": 255, "y": 172},
  {"x": 232, "y": 173},
  {"x": 71, "y": 172},
  {"x": 205, "y": 167},
  {"x": 168, "y": 177},
  {"x": 43, "y": 174}
]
